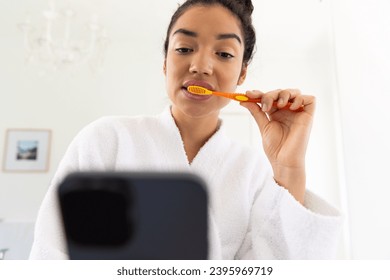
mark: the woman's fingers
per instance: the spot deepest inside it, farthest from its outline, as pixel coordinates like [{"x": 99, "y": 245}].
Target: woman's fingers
[
  {"x": 282, "y": 98},
  {"x": 254, "y": 94},
  {"x": 297, "y": 102},
  {"x": 309, "y": 103},
  {"x": 256, "y": 111},
  {"x": 277, "y": 99}
]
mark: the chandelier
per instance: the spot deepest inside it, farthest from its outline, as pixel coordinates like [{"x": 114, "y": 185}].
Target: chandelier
[{"x": 61, "y": 41}]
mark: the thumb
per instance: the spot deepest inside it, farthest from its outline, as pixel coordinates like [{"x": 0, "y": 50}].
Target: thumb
[{"x": 260, "y": 117}]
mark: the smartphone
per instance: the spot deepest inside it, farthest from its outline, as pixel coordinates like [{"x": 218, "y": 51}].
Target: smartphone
[{"x": 134, "y": 216}]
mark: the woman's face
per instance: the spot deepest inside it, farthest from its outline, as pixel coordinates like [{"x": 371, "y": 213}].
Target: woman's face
[{"x": 205, "y": 48}]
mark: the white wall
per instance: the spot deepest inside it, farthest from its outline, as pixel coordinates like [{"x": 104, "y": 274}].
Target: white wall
[
  {"x": 295, "y": 50},
  {"x": 67, "y": 101},
  {"x": 362, "y": 37}
]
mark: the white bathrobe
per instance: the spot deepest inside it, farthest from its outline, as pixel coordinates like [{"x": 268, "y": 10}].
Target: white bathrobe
[{"x": 250, "y": 216}]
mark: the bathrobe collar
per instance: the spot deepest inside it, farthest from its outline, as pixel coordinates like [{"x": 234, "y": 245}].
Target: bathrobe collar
[{"x": 213, "y": 150}]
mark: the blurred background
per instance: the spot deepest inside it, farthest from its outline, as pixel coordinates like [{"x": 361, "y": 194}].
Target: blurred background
[{"x": 65, "y": 63}]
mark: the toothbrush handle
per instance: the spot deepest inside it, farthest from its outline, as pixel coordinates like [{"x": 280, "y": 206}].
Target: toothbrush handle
[{"x": 243, "y": 98}]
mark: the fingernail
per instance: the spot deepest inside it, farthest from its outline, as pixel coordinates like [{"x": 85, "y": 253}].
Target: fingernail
[
  {"x": 264, "y": 107},
  {"x": 280, "y": 101}
]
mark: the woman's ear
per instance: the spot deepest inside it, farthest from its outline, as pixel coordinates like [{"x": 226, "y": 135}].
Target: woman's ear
[
  {"x": 242, "y": 77},
  {"x": 165, "y": 67}
]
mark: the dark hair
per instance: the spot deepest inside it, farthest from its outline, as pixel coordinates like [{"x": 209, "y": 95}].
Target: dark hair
[{"x": 241, "y": 8}]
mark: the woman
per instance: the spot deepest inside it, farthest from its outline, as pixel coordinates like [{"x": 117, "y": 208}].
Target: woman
[{"x": 255, "y": 212}]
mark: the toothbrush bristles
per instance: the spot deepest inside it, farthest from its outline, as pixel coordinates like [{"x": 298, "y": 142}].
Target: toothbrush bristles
[{"x": 197, "y": 90}]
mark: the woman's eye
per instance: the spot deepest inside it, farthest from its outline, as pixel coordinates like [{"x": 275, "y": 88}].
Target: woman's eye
[
  {"x": 225, "y": 55},
  {"x": 184, "y": 50}
]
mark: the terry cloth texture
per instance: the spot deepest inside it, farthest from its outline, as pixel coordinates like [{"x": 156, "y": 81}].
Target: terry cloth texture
[{"x": 250, "y": 216}]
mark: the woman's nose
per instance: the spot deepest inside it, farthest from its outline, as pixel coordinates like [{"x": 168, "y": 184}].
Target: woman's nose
[{"x": 201, "y": 64}]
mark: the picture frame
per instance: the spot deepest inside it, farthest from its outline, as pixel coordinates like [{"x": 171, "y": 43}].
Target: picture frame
[{"x": 27, "y": 150}]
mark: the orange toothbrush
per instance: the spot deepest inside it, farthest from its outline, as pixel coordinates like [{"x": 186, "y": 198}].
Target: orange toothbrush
[{"x": 235, "y": 96}]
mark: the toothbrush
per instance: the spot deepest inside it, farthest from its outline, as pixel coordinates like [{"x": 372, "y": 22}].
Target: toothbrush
[{"x": 235, "y": 96}]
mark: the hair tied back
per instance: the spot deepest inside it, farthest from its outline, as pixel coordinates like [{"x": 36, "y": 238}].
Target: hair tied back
[{"x": 248, "y": 6}]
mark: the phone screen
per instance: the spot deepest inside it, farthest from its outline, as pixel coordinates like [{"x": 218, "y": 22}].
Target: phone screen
[{"x": 109, "y": 215}]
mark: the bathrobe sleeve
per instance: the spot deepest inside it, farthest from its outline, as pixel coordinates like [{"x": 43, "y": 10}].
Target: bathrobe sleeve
[
  {"x": 282, "y": 228},
  {"x": 81, "y": 155},
  {"x": 49, "y": 238}
]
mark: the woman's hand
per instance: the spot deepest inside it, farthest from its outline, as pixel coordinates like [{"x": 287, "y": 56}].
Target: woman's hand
[{"x": 285, "y": 134}]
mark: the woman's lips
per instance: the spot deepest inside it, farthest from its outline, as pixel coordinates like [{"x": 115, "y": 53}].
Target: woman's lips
[
  {"x": 200, "y": 83},
  {"x": 196, "y": 97}
]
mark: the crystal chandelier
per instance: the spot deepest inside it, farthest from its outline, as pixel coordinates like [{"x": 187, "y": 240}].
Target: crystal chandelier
[{"x": 59, "y": 43}]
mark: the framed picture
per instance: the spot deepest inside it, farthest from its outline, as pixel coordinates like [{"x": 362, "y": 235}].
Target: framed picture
[{"x": 27, "y": 150}]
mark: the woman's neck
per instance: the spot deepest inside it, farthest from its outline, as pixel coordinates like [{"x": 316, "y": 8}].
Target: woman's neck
[{"x": 195, "y": 131}]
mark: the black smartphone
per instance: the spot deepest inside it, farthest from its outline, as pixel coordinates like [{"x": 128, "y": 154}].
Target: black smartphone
[{"x": 134, "y": 216}]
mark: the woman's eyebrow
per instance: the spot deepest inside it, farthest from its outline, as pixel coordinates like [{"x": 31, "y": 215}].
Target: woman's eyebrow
[
  {"x": 185, "y": 32},
  {"x": 229, "y": 36},
  {"x": 223, "y": 36}
]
